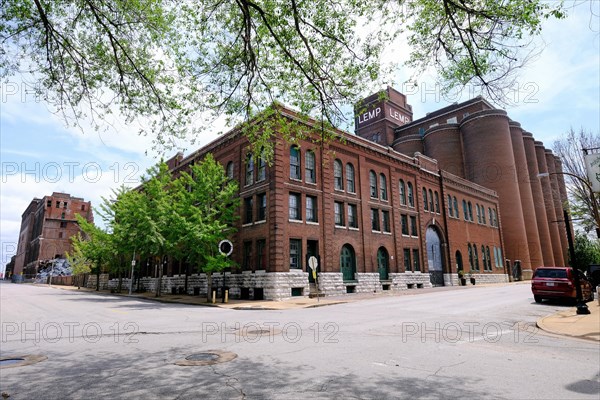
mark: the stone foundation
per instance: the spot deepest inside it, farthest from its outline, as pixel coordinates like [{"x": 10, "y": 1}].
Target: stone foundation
[{"x": 283, "y": 285}]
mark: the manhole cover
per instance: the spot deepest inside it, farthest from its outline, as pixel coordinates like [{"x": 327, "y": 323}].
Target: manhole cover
[
  {"x": 20, "y": 361},
  {"x": 209, "y": 357},
  {"x": 259, "y": 332},
  {"x": 10, "y": 361},
  {"x": 202, "y": 357}
]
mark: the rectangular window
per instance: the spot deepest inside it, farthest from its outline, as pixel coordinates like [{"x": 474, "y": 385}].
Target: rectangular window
[
  {"x": 65, "y": 204},
  {"x": 385, "y": 220},
  {"x": 63, "y": 224},
  {"x": 83, "y": 207},
  {"x": 416, "y": 261},
  {"x": 49, "y": 203},
  {"x": 247, "y": 260},
  {"x": 352, "y": 216},
  {"x": 295, "y": 254},
  {"x": 338, "y": 209},
  {"x": 407, "y": 263},
  {"x": 375, "y": 219},
  {"x": 404, "y": 224},
  {"x": 309, "y": 168},
  {"x": 62, "y": 216},
  {"x": 413, "y": 226},
  {"x": 58, "y": 204},
  {"x": 294, "y": 207},
  {"x": 262, "y": 206},
  {"x": 261, "y": 254},
  {"x": 60, "y": 235},
  {"x": 311, "y": 208},
  {"x": 248, "y": 205}
]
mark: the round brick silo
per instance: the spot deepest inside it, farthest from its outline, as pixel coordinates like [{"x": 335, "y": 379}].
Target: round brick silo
[
  {"x": 442, "y": 142},
  {"x": 557, "y": 250},
  {"x": 558, "y": 204},
  {"x": 490, "y": 162},
  {"x": 538, "y": 200},
  {"x": 523, "y": 176},
  {"x": 409, "y": 144}
]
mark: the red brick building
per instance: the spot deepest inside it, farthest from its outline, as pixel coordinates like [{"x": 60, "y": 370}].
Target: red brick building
[
  {"x": 402, "y": 204},
  {"x": 46, "y": 227}
]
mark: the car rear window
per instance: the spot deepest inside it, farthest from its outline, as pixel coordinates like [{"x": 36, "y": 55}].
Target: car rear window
[{"x": 550, "y": 273}]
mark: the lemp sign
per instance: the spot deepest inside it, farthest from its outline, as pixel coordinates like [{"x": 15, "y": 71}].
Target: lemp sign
[
  {"x": 592, "y": 165},
  {"x": 376, "y": 112}
]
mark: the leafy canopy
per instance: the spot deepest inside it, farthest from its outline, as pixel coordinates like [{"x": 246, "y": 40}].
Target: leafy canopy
[{"x": 174, "y": 66}]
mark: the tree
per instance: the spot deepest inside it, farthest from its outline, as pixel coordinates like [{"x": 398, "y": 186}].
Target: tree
[
  {"x": 78, "y": 258},
  {"x": 97, "y": 248},
  {"x": 584, "y": 205},
  {"x": 206, "y": 205},
  {"x": 587, "y": 252},
  {"x": 170, "y": 63}
]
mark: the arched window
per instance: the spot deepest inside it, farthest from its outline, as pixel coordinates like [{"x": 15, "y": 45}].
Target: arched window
[
  {"x": 373, "y": 184},
  {"x": 383, "y": 187},
  {"x": 230, "y": 170},
  {"x": 470, "y": 212},
  {"x": 489, "y": 259},
  {"x": 470, "y": 251},
  {"x": 383, "y": 263},
  {"x": 295, "y": 163},
  {"x": 262, "y": 168},
  {"x": 437, "y": 202},
  {"x": 431, "y": 201},
  {"x": 249, "y": 169},
  {"x": 350, "y": 178},
  {"x": 402, "y": 192},
  {"x": 483, "y": 257},
  {"x": 450, "y": 209},
  {"x": 310, "y": 174},
  {"x": 465, "y": 210},
  {"x": 475, "y": 257},
  {"x": 337, "y": 175},
  {"x": 425, "y": 203},
  {"x": 455, "y": 202},
  {"x": 411, "y": 197},
  {"x": 478, "y": 213},
  {"x": 483, "y": 221}
]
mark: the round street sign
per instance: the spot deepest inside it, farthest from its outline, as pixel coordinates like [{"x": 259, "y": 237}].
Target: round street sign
[
  {"x": 225, "y": 247},
  {"x": 312, "y": 262}
]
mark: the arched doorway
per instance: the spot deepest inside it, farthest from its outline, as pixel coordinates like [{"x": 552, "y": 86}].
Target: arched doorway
[
  {"x": 383, "y": 264},
  {"x": 434, "y": 256},
  {"x": 347, "y": 263}
]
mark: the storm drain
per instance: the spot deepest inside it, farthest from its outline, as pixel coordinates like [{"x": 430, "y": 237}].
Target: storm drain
[
  {"x": 20, "y": 361},
  {"x": 209, "y": 357}
]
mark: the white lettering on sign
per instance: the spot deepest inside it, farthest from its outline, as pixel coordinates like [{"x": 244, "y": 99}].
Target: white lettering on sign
[
  {"x": 369, "y": 115},
  {"x": 404, "y": 119}
]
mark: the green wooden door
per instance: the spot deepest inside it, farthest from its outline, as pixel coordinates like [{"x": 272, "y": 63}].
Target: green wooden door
[
  {"x": 383, "y": 264},
  {"x": 347, "y": 263}
]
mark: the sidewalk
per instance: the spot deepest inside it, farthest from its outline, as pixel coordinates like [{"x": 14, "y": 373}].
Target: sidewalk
[{"x": 568, "y": 323}]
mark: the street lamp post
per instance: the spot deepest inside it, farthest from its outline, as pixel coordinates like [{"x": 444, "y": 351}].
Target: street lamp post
[{"x": 131, "y": 278}]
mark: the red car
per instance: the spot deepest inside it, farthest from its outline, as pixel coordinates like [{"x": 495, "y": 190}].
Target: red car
[{"x": 558, "y": 283}]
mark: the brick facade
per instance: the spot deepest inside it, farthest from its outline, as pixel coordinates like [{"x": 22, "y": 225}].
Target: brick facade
[{"x": 46, "y": 228}]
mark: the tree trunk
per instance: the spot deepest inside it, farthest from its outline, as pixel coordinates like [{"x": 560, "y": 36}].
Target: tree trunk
[
  {"x": 209, "y": 286},
  {"x": 97, "y": 277},
  {"x": 159, "y": 277}
]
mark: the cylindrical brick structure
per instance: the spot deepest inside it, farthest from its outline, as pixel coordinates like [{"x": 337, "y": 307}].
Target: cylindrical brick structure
[
  {"x": 442, "y": 142},
  {"x": 409, "y": 145},
  {"x": 490, "y": 162},
  {"x": 562, "y": 188},
  {"x": 540, "y": 152},
  {"x": 558, "y": 205},
  {"x": 538, "y": 200},
  {"x": 523, "y": 177}
]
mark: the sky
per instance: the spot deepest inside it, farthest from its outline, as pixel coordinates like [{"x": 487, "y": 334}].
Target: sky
[{"x": 39, "y": 154}]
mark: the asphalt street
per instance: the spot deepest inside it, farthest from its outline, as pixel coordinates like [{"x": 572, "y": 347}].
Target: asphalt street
[{"x": 479, "y": 342}]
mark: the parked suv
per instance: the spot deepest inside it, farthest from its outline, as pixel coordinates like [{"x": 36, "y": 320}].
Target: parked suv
[{"x": 558, "y": 283}]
